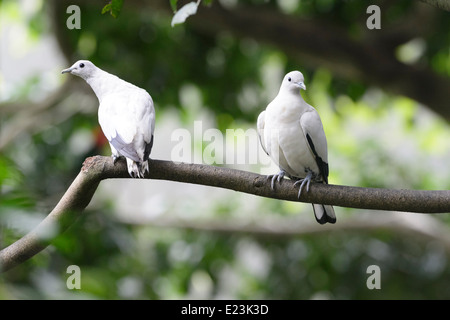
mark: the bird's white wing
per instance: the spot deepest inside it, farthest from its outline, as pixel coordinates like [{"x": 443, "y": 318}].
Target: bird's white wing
[
  {"x": 128, "y": 122},
  {"x": 316, "y": 140},
  {"x": 260, "y": 124}
]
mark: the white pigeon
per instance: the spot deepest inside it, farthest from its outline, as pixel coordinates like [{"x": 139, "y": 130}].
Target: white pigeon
[
  {"x": 126, "y": 115},
  {"x": 291, "y": 133}
]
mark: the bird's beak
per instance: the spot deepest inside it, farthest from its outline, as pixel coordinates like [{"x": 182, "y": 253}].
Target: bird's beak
[
  {"x": 68, "y": 70},
  {"x": 301, "y": 85}
]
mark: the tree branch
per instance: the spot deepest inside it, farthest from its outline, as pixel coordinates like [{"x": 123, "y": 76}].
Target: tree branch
[
  {"x": 98, "y": 168},
  {"x": 35, "y": 117},
  {"x": 425, "y": 226},
  {"x": 369, "y": 59},
  {"x": 440, "y": 4}
]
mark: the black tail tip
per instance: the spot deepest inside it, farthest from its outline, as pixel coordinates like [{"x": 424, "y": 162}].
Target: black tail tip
[
  {"x": 326, "y": 219},
  {"x": 324, "y": 214}
]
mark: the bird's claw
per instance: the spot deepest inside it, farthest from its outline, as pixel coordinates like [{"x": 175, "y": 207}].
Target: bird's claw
[
  {"x": 115, "y": 158},
  {"x": 276, "y": 177},
  {"x": 302, "y": 182}
]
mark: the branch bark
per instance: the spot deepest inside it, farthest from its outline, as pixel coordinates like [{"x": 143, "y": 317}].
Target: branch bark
[
  {"x": 440, "y": 4},
  {"x": 98, "y": 168}
]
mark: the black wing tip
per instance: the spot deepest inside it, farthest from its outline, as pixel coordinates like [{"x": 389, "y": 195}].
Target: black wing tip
[
  {"x": 148, "y": 149},
  {"x": 323, "y": 166}
]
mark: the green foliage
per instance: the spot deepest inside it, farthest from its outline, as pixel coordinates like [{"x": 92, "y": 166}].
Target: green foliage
[
  {"x": 375, "y": 140},
  {"x": 173, "y": 5},
  {"x": 113, "y": 7}
]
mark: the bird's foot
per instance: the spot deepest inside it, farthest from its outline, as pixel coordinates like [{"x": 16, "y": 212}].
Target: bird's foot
[
  {"x": 305, "y": 181},
  {"x": 115, "y": 158},
  {"x": 137, "y": 169},
  {"x": 276, "y": 177}
]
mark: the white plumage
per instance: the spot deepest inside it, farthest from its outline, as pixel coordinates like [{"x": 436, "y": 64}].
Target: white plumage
[
  {"x": 126, "y": 115},
  {"x": 291, "y": 133}
]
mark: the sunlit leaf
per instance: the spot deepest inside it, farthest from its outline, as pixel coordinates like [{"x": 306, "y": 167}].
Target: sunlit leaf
[
  {"x": 106, "y": 8},
  {"x": 185, "y": 11},
  {"x": 113, "y": 7}
]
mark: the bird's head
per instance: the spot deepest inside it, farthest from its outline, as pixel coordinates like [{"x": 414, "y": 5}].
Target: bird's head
[
  {"x": 82, "y": 68},
  {"x": 293, "y": 81}
]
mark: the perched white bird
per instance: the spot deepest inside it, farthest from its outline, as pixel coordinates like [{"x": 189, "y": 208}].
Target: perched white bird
[
  {"x": 291, "y": 133},
  {"x": 126, "y": 115}
]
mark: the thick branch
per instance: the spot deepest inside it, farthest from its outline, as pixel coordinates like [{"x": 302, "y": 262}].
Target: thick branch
[
  {"x": 71, "y": 205},
  {"x": 99, "y": 168}
]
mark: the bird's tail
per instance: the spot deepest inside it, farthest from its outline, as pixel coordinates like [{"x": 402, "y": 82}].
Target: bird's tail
[{"x": 324, "y": 213}]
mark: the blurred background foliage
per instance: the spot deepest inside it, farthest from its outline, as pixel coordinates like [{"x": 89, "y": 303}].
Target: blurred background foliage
[{"x": 164, "y": 240}]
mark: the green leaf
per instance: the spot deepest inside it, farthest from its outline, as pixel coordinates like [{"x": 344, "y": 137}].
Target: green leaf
[
  {"x": 173, "y": 4},
  {"x": 116, "y": 7},
  {"x": 113, "y": 7},
  {"x": 106, "y": 8}
]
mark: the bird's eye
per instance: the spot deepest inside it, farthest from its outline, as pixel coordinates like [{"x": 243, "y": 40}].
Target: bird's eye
[
  {"x": 289, "y": 79},
  {"x": 81, "y": 65}
]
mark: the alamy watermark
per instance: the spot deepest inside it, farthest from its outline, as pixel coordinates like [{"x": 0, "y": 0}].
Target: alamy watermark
[
  {"x": 74, "y": 280},
  {"x": 236, "y": 146},
  {"x": 74, "y": 20},
  {"x": 213, "y": 147},
  {"x": 374, "y": 280},
  {"x": 372, "y": 22}
]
